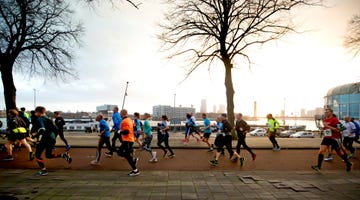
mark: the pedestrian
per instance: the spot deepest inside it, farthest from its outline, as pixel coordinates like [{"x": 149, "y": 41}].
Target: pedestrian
[
  {"x": 163, "y": 137},
  {"x": 26, "y": 118},
  {"x": 46, "y": 129},
  {"x": 60, "y": 123},
  {"x": 104, "y": 138},
  {"x": 17, "y": 132},
  {"x": 242, "y": 128},
  {"x": 207, "y": 132},
  {"x": 224, "y": 139},
  {"x": 137, "y": 128},
  {"x": 116, "y": 129},
  {"x": 349, "y": 136},
  {"x": 148, "y": 136},
  {"x": 357, "y": 132},
  {"x": 331, "y": 138},
  {"x": 127, "y": 138},
  {"x": 273, "y": 125}
]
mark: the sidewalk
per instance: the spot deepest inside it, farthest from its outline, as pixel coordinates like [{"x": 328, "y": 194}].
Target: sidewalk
[{"x": 222, "y": 185}]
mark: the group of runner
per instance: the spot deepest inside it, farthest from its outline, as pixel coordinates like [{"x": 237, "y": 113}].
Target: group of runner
[{"x": 128, "y": 131}]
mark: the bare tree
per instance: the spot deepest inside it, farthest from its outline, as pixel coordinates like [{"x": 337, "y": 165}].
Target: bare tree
[
  {"x": 136, "y": 5},
  {"x": 208, "y": 30},
  {"x": 352, "y": 39},
  {"x": 36, "y": 38}
]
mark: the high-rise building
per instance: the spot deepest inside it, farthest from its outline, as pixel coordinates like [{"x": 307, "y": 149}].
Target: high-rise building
[
  {"x": 178, "y": 113},
  {"x": 203, "y": 106},
  {"x": 214, "y": 108},
  {"x": 221, "y": 108}
]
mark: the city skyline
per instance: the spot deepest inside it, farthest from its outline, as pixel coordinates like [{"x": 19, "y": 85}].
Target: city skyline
[{"x": 120, "y": 46}]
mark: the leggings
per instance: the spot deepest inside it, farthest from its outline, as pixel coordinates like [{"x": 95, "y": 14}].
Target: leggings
[
  {"x": 102, "y": 141},
  {"x": 241, "y": 141},
  {"x": 46, "y": 145},
  {"x": 164, "y": 138}
]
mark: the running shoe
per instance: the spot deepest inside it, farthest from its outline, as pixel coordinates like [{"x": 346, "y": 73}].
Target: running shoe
[
  {"x": 171, "y": 155},
  {"x": 254, "y": 157},
  {"x": 109, "y": 154},
  {"x": 8, "y": 158},
  {"x": 41, "y": 173},
  {"x": 214, "y": 162},
  {"x": 210, "y": 150},
  {"x": 67, "y": 157},
  {"x": 134, "y": 172},
  {"x": 350, "y": 155},
  {"x": 32, "y": 156},
  {"x": 316, "y": 168},
  {"x": 67, "y": 147},
  {"x": 153, "y": 160},
  {"x": 242, "y": 159},
  {"x": 94, "y": 162},
  {"x": 328, "y": 159},
  {"x": 349, "y": 166}
]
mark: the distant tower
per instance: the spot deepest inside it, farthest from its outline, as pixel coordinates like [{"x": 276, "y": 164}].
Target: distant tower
[
  {"x": 221, "y": 108},
  {"x": 214, "y": 109},
  {"x": 255, "y": 110},
  {"x": 203, "y": 106}
]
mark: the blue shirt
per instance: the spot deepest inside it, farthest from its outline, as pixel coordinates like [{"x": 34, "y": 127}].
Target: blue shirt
[
  {"x": 137, "y": 124},
  {"x": 103, "y": 125},
  {"x": 206, "y": 124},
  {"x": 116, "y": 120}
]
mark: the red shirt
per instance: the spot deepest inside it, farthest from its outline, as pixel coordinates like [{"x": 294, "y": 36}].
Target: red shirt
[{"x": 333, "y": 122}]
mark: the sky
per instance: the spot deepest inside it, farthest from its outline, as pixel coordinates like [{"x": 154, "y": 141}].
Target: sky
[{"x": 120, "y": 46}]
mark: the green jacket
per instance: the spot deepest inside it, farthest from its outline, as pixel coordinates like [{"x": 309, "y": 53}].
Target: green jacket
[{"x": 273, "y": 124}]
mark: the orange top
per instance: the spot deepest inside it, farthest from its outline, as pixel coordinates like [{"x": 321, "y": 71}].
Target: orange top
[{"x": 127, "y": 124}]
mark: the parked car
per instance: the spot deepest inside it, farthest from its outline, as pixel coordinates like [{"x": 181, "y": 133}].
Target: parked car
[
  {"x": 286, "y": 133},
  {"x": 303, "y": 134},
  {"x": 258, "y": 132}
]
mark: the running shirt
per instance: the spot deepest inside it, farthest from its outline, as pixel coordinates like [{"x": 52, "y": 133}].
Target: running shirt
[
  {"x": 127, "y": 124},
  {"x": 116, "y": 120},
  {"x": 137, "y": 124},
  {"x": 207, "y": 124},
  {"x": 147, "y": 128},
  {"x": 333, "y": 122},
  {"x": 163, "y": 125},
  {"x": 103, "y": 126},
  {"x": 350, "y": 129}
]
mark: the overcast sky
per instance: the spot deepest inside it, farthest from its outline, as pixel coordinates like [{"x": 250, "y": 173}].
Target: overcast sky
[{"x": 120, "y": 45}]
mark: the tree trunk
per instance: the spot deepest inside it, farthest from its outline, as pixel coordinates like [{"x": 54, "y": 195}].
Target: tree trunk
[
  {"x": 8, "y": 84},
  {"x": 229, "y": 94}
]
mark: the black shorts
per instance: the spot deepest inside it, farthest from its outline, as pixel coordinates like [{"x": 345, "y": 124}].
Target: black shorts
[
  {"x": 206, "y": 135},
  {"x": 16, "y": 136},
  {"x": 327, "y": 141}
]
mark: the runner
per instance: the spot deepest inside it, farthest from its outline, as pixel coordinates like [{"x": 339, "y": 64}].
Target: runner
[
  {"x": 127, "y": 137},
  {"x": 60, "y": 122},
  {"x": 331, "y": 138},
  {"x": 137, "y": 129},
  {"x": 273, "y": 125},
  {"x": 207, "y": 132},
  {"x": 224, "y": 139},
  {"x": 116, "y": 129},
  {"x": 17, "y": 132},
  {"x": 46, "y": 131},
  {"x": 241, "y": 129},
  {"x": 104, "y": 138},
  {"x": 146, "y": 144},
  {"x": 163, "y": 136}
]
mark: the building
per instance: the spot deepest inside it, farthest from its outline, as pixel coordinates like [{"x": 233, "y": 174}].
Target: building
[
  {"x": 344, "y": 100},
  {"x": 203, "y": 106},
  {"x": 177, "y": 113},
  {"x": 221, "y": 108},
  {"x": 105, "y": 110},
  {"x": 214, "y": 108}
]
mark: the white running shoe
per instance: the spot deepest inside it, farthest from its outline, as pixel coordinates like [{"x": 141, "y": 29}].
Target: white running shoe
[{"x": 94, "y": 162}]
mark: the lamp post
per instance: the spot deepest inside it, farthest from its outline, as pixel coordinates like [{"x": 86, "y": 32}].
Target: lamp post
[
  {"x": 174, "y": 113},
  {"x": 127, "y": 83},
  {"x": 34, "y": 98}
]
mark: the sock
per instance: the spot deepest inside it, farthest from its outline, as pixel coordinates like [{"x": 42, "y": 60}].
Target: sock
[{"x": 320, "y": 160}]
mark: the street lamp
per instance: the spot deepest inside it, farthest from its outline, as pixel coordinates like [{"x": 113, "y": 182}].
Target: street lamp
[
  {"x": 127, "y": 83},
  {"x": 34, "y": 98},
  {"x": 174, "y": 113}
]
